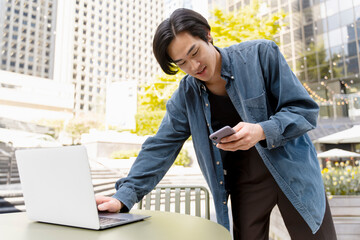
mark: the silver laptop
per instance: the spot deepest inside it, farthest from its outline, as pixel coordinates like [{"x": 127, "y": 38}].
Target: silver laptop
[{"x": 57, "y": 188}]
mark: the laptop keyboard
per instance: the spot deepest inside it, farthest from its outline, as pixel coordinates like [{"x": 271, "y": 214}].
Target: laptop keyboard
[{"x": 107, "y": 221}]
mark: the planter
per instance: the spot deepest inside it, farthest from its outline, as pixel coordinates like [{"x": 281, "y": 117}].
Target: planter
[
  {"x": 346, "y": 215},
  {"x": 345, "y": 205}
]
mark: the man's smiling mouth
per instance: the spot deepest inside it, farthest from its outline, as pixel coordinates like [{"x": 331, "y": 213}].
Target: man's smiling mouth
[{"x": 200, "y": 72}]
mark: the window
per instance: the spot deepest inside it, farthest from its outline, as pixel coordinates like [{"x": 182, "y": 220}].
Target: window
[
  {"x": 335, "y": 38},
  {"x": 352, "y": 66},
  {"x": 347, "y": 17},
  {"x": 312, "y": 74},
  {"x": 308, "y": 30},
  {"x": 345, "y": 5},
  {"x": 332, "y": 6},
  {"x": 308, "y": 15},
  {"x": 334, "y": 21},
  {"x": 348, "y": 33}
]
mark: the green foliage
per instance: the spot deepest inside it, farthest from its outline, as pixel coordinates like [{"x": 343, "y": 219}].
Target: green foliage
[
  {"x": 80, "y": 125},
  {"x": 124, "y": 154},
  {"x": 183, "y": 158},
  {"x": 147, "y": 122},
  {"x": 342, "y": 179},
  {"x": 152, "y": 100},
  {"x": 56, "y": 124},
  {"x": 245, "y": 24}
]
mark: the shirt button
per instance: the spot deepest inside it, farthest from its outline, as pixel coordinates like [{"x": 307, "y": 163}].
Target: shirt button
[
  {"x": 221, "y": 182},
  {"x": 224, "y": 203},
  {"x": 206, "y": 104},
  {"x": 203, "y": 87},
  {"x": 232, "y": 77},
  {"x": 217, "y": 163},
  {"x": 272, "y": 146},
  {"x": 208, "y": 124},
  {"x": 214, "y": 144}
]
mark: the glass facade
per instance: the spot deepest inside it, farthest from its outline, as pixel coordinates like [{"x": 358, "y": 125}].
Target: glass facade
[
  {"x": 324, "y": 46},
  {"x": 321, "y": 43}
]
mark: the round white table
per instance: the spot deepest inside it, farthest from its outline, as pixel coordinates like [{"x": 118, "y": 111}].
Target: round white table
[{"x": 160, "y": 226}]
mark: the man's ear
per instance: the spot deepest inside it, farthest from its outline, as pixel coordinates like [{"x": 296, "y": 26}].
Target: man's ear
[{"x": 209, "y": 37}]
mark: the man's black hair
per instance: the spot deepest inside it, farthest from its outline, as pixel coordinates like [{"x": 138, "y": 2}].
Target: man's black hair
[{"x": 181, "y": 20}]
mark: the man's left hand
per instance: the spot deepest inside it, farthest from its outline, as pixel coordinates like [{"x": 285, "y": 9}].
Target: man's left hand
[{"x": 246, "y": 136}]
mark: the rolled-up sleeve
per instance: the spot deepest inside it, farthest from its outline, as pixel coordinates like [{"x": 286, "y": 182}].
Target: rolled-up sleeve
[
  {"x": 156, "y": 156},
  {"x": 295, "y": 112}
]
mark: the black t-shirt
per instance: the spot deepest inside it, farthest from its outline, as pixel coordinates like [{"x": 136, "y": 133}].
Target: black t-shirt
[{"x": 243, "y": 163}]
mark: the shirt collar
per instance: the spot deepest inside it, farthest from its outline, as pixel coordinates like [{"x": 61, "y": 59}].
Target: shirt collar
[
  {"x": 225, "y": 69},
  {"x": 225, "y": 63}
]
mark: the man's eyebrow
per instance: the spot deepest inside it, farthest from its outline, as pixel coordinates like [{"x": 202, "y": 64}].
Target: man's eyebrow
[{"x": 191, "y": 48}]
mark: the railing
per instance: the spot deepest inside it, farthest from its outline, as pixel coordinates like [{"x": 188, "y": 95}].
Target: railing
[
  {"x": 8, "y": 169},
  {"x": 5, "y": 167},
  {"x": 191, "y": 200}
]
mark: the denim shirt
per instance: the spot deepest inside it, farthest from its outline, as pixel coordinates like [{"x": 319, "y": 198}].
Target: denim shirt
[{"x": 263, "y": 90}]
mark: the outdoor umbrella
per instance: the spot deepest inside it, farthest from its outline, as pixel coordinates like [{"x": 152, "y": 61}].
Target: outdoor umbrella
[
  {"x": 337, "y": 153},
  {"x": 351, "y": 135}
]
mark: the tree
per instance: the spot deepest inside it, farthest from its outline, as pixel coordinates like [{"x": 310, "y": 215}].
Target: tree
[
  {"x": 56, "y": 124},
  {"x": 246, "y": 24},
  {"x": 227, "y": 29},
  {"x": 80, "y": 125},
  {"x": 152, "y": 100}
]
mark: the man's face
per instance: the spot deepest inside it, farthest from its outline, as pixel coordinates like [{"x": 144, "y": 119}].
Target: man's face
[{"x": 194, "y": 56}]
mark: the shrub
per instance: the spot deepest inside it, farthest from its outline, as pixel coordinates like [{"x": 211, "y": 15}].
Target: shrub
[
  {"x": 183, "y": 158},
  {"x": 124, "y": 154},
  {"x": 342, "y": 179},
  {"x": 147, "y": 123}
]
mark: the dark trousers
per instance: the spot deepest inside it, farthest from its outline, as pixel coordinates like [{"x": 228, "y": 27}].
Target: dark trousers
[{"x": 254, "y": 193}]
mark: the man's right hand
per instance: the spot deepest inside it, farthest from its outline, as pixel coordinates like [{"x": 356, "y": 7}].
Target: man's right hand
[{"x": 108, "y": 204}]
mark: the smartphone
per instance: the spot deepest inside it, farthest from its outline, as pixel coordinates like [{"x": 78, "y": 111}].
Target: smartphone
[{"x": 221, "y": 133}]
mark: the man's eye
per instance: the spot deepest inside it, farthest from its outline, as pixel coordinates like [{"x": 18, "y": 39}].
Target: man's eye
[
  {"x": 181, "y": 63},
  {"x": 196, "y": 52}
]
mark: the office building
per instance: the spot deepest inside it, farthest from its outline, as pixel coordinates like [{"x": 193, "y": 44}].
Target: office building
[
  {"x": 27, "y": 43},
  {"x": 89, "y": 44},
  {"x": 200, "y": 6},
  {"x": 111, "y": 41},
  {"x": 221, "y": 4},
  {"x": 27, "y": 36},
  {"x": 31, "y": 99},
  {"x": 321, "y": 43}
]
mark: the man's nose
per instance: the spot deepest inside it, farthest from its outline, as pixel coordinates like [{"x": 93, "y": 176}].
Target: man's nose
[{"x": 194, "y": 64}]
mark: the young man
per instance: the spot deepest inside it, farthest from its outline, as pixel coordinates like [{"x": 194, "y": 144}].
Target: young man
[{"x": 269, "y": 161}]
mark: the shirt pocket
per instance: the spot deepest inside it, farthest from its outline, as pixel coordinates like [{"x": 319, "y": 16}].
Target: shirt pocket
[{"x": 256, "y": 108}]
